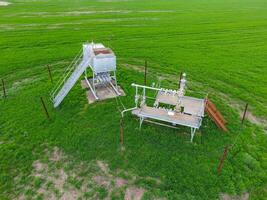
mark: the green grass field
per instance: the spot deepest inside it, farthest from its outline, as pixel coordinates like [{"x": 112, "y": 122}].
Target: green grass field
[{"x": 220, "y": 44}]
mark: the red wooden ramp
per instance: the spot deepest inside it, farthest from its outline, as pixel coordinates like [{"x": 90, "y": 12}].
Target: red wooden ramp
[{"x": 215, "y": 115}]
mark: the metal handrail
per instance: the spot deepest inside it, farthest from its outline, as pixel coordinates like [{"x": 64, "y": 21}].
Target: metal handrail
[
  {"x": 147, "y": 87},
  {"x": 67, "y": 71},
  {"x": 74, "y": 61}
]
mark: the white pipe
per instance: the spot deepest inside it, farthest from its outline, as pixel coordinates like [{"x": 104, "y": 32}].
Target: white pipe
[
  {"x": 88, "y": 83},
  {"x": 147, "y": 87},
  {"x": 115, "y": 89},
  {"x": 127, "y": 110}
]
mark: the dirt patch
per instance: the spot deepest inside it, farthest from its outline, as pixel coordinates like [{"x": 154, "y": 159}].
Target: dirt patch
[
  {"x": 253, "y": 119},
  {"x": 102, "y": 181},
  {"x": 244, "y": 196},
  {"x": 17, "y": 85},
  {"x": 57, "y": 177},
  {"x": 103, "y": 166},
  {"x": 4, "y": 3},
  {"x": 120, "y": 182},
  {"x": 134, "y": 193},
  {"x": 51, "y": 181},
  {"x": 103, "y": 92},
  {"x": 59, "y": 180},
  {"x": 56, "y": 155},
  {"x": 137, "y": 68},
  {"x": 39, "y": 167},
  {"x": 240, "y": 106}
]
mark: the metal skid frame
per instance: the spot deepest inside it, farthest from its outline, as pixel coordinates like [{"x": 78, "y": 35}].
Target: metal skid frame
[
  {"x": 143, "y": 117},
  {"x": 101, "y": 78}
]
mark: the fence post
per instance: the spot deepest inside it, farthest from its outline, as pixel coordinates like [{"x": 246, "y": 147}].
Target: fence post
[
  {"x": 245, "y": 113},
  {"x": 121, "y": 134},
  {"x": 49, "y": 72},
  {"x": 181, "y": 75},
  {"x": 145, "y": 72},
  {"x": 225, "y": 153},
  {"x": 4, "y": 88},
  {"x": 45, "y": 109}
]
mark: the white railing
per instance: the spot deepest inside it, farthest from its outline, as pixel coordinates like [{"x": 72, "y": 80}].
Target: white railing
[{"x": 71, "y": 67}]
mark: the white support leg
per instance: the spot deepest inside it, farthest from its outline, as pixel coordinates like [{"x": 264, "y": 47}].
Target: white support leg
[
  {"x": 136, "y": 97},
  {"x": 115, "y": 87},
  {"x": 193, "y": 131},
  {"x": 141, "y": 122},
  {"x": 94, "y": 83},
  {"x": 115, "y": 78},
  {"x": 91, "y": 88},
  {"x": 143, "y": 102}
]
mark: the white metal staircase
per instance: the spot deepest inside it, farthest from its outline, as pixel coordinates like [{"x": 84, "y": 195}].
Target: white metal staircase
[{"x": 69, "y": 78}]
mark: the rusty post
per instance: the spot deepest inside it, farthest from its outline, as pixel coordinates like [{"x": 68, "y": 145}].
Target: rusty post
[
  {"x": 45, "y": 109},
  {"x": 225, "y": 153},
  {"x": 4, "y": 88},
  {"x": 245, "y": 113},
  {"x": 122, "y": 135},
  {"x": 49, "y": 72},
  {"x": 145, "y": 72}
]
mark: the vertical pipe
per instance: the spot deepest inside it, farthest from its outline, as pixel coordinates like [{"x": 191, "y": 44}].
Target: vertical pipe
[
  {"x": 144, "y": 97},
  {"x": 4, "y": 88},
  {"x": 45, "y": 109},
  {"x": 245, "y": 113},
  {"x": 136, "y": 96}
]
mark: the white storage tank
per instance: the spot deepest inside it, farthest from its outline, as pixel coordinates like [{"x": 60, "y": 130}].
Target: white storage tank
[{"x": 103, "y": 59}]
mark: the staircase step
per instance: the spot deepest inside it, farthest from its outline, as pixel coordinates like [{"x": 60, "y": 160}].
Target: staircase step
[
  {"x": 216, "y": 120},
  {"x": 215, "y": 115},
  {"x": 212, "y": 106},
  {"x": 70, "y": 82}
]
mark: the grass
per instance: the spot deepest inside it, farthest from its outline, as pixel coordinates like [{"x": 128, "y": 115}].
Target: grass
[{"x": 220, "y": 44}]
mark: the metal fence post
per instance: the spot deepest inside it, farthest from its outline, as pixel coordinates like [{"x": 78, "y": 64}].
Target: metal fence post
[
  {"x": 4, "y": 88},
  {"x": 225, "y": 153},
  {"x": 245, "y": 113},
  {"x": 121, "y": 134},
  {"x": 49, "y": 72},
  {"x": 145, "y": 72},
  {"x": 45, "y": 109},
  {"x": 181, "y": 75}
]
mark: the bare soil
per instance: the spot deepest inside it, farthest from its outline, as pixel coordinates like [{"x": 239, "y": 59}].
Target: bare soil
[{"x": 60, "y": 181}]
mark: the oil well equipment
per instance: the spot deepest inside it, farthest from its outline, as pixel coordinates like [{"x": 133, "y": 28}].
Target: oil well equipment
[
  {"x": 170, "y": 107},
  {"x": 101, "y": 61}
]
